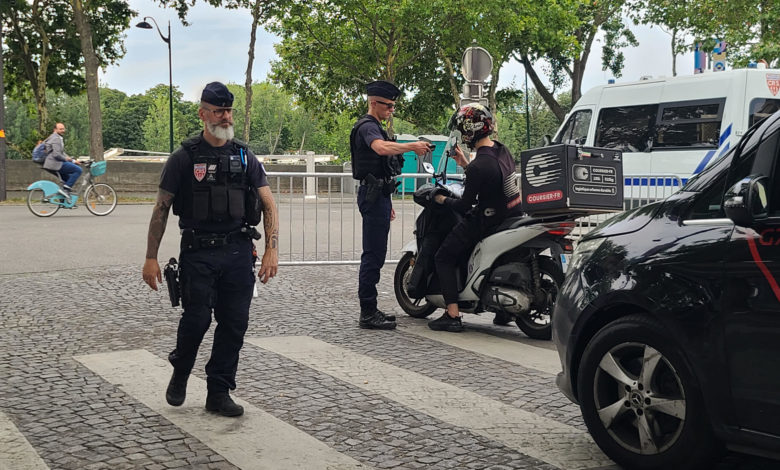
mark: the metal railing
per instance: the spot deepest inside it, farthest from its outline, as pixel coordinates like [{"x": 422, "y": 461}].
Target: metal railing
[{"x": 320, "y": 224}]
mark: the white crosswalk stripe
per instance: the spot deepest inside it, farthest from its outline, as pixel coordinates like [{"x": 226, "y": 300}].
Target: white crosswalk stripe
[
  {"x": 531, "y": 434},
  {"x": 256, "y": 440},
  {"x": 532, "y": 357},
  {"x": 16, "y": 453}
]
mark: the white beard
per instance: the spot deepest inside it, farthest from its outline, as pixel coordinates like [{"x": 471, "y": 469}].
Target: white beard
[{"x": 222, "y": 133}]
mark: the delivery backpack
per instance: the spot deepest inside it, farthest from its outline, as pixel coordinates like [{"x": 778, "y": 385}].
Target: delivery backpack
[{"x": 39, "y": 153}]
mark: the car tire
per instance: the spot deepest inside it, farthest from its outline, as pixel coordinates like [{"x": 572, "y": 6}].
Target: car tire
[{"x": 641, "y": 402}]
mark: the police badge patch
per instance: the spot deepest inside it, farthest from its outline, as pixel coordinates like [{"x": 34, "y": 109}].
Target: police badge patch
[{"x": 200, "y": 171}]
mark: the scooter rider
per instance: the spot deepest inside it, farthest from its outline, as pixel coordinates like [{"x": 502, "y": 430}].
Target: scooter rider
[
  {"x": 490, "y": 195},
  {"x": 376, "y": 160}
]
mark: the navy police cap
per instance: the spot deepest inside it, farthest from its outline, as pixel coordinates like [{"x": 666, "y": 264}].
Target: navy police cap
[
  {"x": 216, "y": 93},
  {"x": 384, "y": 89}
]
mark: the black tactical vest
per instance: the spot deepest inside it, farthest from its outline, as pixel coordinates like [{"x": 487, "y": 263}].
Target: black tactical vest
[
  {"x": 216, "y": 189},
  {"x": 365, "y": 161}
]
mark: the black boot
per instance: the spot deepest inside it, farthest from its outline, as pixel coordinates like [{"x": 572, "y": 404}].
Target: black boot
[
  {"x": 177, "y": 388},
  {"x": 387, "y": 317},
  {"x": 376, "y": 320},
  {"x": 221, "y": 403}
]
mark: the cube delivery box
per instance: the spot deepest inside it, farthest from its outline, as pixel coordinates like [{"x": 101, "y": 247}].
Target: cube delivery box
[{"x": 568, "y": 178}]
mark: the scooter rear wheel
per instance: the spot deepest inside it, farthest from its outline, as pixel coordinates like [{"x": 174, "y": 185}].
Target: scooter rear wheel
[
  {"x": 417, "y": 308},
  {"x": 537, "y": 323},
  {"x": 39, "y": 204}
]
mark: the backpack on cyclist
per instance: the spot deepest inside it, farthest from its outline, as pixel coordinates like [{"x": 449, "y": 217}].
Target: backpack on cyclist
[{"x": 39, "y": 153}]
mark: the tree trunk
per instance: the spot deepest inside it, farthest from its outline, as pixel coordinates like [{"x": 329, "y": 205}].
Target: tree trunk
[
  {"x": 91, "y": 68},
  {"x": 674, "y": 52},
  {"x": 248, "y": 83},
  {"x": 278, "y": 134},
  {"x": 451, "y": 75},
  {"x": 548, "y": 97}
]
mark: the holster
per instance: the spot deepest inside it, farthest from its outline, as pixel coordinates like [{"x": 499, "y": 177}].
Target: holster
[
  {"x": 373, "y": 188},
  {"x": 171, "y": 273}
]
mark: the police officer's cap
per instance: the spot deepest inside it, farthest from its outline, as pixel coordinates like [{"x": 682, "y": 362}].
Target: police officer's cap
[
  {"x": 217, "y": 93},
  {"x": 384, "y": 89}
]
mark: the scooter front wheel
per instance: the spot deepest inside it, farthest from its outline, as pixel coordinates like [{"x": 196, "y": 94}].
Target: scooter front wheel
[
  {"x": 417, "y": 308},
  {"x": 39, "y": 204},
  {"x": 537, "y": 323}
]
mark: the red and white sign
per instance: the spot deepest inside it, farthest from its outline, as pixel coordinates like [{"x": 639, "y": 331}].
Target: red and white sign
[
  {"x": 200, "y": 171},
  {"x": 549, "y": 196},
  {"x": 773, "y": 82}
]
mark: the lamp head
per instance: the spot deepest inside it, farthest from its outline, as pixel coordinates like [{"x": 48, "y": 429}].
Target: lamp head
[{"x": 143, "y": 25}]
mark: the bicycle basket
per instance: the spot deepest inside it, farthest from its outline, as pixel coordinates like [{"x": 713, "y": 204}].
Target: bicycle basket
[{"x": 98, "y": 168}]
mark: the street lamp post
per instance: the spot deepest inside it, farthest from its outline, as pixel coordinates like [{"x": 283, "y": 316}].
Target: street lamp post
[{"x": 145, "y": 25}]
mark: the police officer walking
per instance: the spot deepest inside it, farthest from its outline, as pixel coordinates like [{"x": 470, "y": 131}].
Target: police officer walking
[
  {"x": 215, "y": 185},
  {"x": 376, "y": 160}
]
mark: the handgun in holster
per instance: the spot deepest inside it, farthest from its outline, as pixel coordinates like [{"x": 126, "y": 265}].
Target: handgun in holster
[
  {"x": 373, "y": 188},
  {"x": 171, "y": 273}
]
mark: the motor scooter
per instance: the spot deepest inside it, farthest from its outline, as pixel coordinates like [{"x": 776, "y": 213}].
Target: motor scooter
[{"x": 515, "y": 272}]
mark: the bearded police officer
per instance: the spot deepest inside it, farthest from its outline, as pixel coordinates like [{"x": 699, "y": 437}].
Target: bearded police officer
[
  {"x": 215, "y": 185},
  {"x": 376, "y": 160}
]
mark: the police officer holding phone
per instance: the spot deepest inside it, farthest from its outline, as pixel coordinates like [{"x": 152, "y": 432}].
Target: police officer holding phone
[
  {"x": 218, "y": 189},
  {"x": 376, "y": 160}
]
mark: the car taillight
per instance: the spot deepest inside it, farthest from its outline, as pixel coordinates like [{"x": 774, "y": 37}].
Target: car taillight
[{"x": 560, "y": 229}]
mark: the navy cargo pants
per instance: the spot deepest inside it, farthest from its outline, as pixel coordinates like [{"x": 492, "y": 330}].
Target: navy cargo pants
[
  {"x": 376, "y": 226},
  {"x": 219, "y": 280}
]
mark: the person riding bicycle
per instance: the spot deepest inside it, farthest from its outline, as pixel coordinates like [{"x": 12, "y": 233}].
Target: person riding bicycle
[
  {"x": 490, "y": 195},
  {"x": 57, "y": 161}
]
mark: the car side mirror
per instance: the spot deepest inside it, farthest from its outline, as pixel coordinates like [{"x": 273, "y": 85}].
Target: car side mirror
[
  {"x": 746, "y": 202},
  {"x": 546, "y": 140}
]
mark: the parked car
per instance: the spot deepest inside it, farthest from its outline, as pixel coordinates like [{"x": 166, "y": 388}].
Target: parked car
[{"x": 668, "y": 322}]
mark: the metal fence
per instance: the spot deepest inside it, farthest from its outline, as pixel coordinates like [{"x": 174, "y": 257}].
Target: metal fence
[{"x": 319, "y": 222}]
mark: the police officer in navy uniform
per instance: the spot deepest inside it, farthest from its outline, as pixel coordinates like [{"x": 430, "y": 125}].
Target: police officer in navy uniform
[
  {"x": 376, "y": 160},
  {"x": 214, "y": 185}
]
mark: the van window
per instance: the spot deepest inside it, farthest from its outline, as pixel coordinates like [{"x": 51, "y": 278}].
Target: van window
[
  {"x": 627, "y": 128},
  {"x": 689, "y": 124},
  {"x": 762, "y": 108},
  {"x": 576, "y": 129}
]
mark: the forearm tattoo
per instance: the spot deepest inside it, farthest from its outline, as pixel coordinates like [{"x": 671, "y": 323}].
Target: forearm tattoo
[
  {"x": 158, "y": 223},
  {"x": 270, "y": 218}
]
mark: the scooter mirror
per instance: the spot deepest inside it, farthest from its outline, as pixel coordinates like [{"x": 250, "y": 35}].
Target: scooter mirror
[{"x": 428, "y": 168}]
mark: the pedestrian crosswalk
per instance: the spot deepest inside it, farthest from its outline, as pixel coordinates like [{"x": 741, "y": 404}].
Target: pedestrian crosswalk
[
  {"x": 17, "y": 453},
  {"x": 259, "y": 440}
]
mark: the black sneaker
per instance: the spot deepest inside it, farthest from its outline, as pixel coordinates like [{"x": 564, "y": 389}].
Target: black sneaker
[
  {"x": 221, "y": 403},
  {"x": 446, "y": 323},
  {"x": 177, "y": 388},
  {"x": 376, "y": 320}
]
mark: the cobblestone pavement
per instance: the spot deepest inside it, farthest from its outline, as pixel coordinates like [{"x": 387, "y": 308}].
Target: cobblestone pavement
[{"x": 364, "y": 399}]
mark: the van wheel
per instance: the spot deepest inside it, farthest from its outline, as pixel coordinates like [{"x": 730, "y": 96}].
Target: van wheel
[
  {"x": 537, "y": 322},
  {"x": 417, "y": 308},
  {"x": 640, "y": 400}
]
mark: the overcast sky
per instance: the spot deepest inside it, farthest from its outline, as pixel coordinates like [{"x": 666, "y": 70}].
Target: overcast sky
[{"x": 215, "y": 47}]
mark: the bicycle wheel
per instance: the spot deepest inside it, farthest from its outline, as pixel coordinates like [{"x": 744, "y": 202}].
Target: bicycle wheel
[
  {"x": 100, "y": 199},
  {"x": 39, "y": 204}
]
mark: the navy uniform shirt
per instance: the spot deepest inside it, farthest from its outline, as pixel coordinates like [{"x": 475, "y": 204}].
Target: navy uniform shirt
[{"x": 179, "y": 166}]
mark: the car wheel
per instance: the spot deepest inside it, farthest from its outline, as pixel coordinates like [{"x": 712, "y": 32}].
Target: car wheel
[{"x": 640, "y": 400}]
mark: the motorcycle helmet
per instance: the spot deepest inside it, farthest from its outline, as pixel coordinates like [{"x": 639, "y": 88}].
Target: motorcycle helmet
[{"x": 474, "y": 121}]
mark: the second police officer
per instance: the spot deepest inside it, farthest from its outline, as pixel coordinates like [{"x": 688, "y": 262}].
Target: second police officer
[
  {"x": 215, "y": 186},
  {"x": 376, "y": 160}
]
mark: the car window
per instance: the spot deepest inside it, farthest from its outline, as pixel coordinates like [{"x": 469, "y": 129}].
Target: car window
[
  {"x": 575, "y": 132},
  {"x": 689, "y": 124},
  {"x": 626, "y": 128},
  {"x": 762, "y": 108},
  {"x": 710, "y": 204}
]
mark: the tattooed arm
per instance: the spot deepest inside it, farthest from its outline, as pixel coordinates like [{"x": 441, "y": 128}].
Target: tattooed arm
[
  {"x": 270, "y": 262},
  {"x": 151, "y": 270}
]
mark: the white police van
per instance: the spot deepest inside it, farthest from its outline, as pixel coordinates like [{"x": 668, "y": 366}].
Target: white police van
[{"x": 671, "y": 126}]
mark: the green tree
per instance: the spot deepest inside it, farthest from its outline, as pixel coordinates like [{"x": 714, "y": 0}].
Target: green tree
[{"x": 155, "y": 128}]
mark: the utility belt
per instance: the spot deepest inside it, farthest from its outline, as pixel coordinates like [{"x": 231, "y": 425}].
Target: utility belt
[
  {"x": 192, "y": 240},
  {"x": 376, "y": 186}
]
